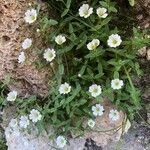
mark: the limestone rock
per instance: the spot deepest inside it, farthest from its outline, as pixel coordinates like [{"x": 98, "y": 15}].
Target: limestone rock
[
  {"x": 24, "y": 141},
  {"x": 142, "y": 51},
  {"x": 110, "y": 131},
  {"x": 142, "y": 12},
  {"x": 27, "y": 79},
  {"x": 106, "y": 130}
]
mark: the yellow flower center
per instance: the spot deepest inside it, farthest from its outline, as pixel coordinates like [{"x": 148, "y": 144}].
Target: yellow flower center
[
  {"x": 86, "y": 12},
  {"x": 50, "y": 55},
  {"x": 62, "y": 141},
  {"x": 114, "y": 41},
  {"x": 66, "y": 89},
  {"x": 97, "y": 109},
  {"x": 95, "y": 90},
  {"x": 117, "y": 83},
  {"x": 32, "y": 17}
]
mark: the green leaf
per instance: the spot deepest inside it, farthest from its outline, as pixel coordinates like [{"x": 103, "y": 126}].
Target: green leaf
[
  {"x": 40, "y": 126},
  {"x": 116, "y": 75},
  {"x": 68, "y": 109},
  {"x": 95, "y": 53},
  {"x": 82, "y": 70},
  {"x": 65, "y": 12},
  {"x": 74, "y": 94},
  {"x": 68, "y": 3},
  {"x": 100, "y": 68},
  {"x": 113, "y": 9},
  {"x": 67, "y": 8},
  {"x": 82, "y": 41},
  {"x": 82, "y": 102},
  {"x": 104, "y": 4},
  {"x": 104, "y": 22},
  {"x": 98, "y": 76},
  {"x": 109, "y": 93},
  {"x": 71, "y": 28},
  {"x": 52, "y": 22},
  {"x": 138, "y": 70},
  {"x": 61, "y": 69},
  {"x": 132, "y": 2},
  {"x": 66, "y": 49}
]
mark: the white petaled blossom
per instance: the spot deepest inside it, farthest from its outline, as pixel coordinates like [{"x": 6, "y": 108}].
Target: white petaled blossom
[
  {"x": 114, "y": 40},
  {"x": 93, "y": 44},
  {"x": 35, "y": 115},
  {"x": 24, "y": 122},
  {"x": 102, "y": 12},
  {"x": 95, "y": 90},
  {"x": 91, "y": 123},
  {"x": 98, "y": 110},
  {"x": 37, "y": 30},
  {"x": 49, "y": 54},
  {"x": 60, "y": 39},
  {"x": 64, "y": 88},
  {"x": 21, "y": 57},
  {"x": 30, "y": 16},
  {"x": 85, "y": 11},
  {"x": 114, "y": 115},
  {"x": 61, "y": 141},
  {"x": 26, "y": 43},
  {"x": 116, "y": 84},
  {"x": 11, "y": 96}
]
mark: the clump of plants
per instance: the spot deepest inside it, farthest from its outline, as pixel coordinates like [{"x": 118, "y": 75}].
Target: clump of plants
[{"x": 92, "y": 59}]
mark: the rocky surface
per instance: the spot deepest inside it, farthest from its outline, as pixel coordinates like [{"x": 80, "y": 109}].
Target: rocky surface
[
  {"x": 17, "y": 140},
  {"x": 106, "y": 130},
  {"x": 138, "y": 138},
  {"x": 25, "y": 78},
  {"x": 110, "y": 131},
  {"x": 142, "y": 13}
]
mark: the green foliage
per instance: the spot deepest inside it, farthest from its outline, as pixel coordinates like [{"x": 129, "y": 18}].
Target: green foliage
[
  {"x": 3, "y": 145},
  {"x": 81, "y": 68}
]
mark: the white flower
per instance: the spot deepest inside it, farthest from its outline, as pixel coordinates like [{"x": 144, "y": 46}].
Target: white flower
[
  {"x": 114, "y": 40},
  {"x": 49, "y": 54},
  {"x": 61, "y": 141},
  {"x": 97, "y": 110},
  {"x": 29, "y": 4},
  {"x": 85, "y": 11},
  {"x": 60, "y": 39},
  {"x": 13, "y": 123},
  {"x": 95, "y": 90},
  {"x": 11, "y": 96},
  {"x": 64, "y": 88},
  {"x": 30, "y": 16},
  {"x": 26, "y": 43},
  {"x": 35, "y": 115},
  {"x": 114, "y": 115},
  {"x": 21, "y": 57},
  {"x": 91, "y": 123},
  {"x": 37, "y": 30},
  {"x": 24, "y": 121},
  {"x": 93, "y": 44},
  {"x": 79, "y": 75},
  {"x": 116, "y": 84},
  {"x": 102, "y": 12}
]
